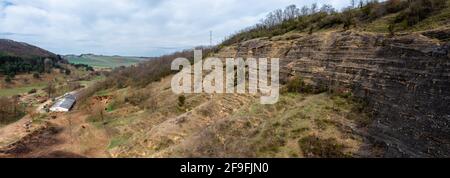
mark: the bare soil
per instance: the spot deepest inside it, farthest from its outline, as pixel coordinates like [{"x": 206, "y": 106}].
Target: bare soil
[{"x": 67, "y": 136}]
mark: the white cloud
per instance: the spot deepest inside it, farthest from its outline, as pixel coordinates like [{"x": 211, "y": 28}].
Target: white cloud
[{"x": 131, "y": 27}]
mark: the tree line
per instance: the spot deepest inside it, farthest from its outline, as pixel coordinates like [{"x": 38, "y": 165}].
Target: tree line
[
  {"x": 313, "y": 18},
  {"x": 12, "y": 65}
]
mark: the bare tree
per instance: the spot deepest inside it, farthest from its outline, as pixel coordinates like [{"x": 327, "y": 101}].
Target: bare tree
[
  {"x": 291, "y": 12},
  {"x": 278, "y": 16},
  {"x": 326, "y": 8},
  {"x": 270, "y": 20},
  {"x": 50, "y": 89},
  {"x": 304, "y": 11},
  {"x": 48, "y": 63},
  {"x": 314, "y": 8},
  {"x": 353, "y": 3}
]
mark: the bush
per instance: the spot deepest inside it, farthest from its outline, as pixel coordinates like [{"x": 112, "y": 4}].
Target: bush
[
  {"x": 84, "y": 94},
  {"x": 330, "y": 21},
  {"x": 136, "y": 98},
  {"x": 419, "y": 10},
  {"x": 32, "y": 91},
  {"x": 313, "y": 146},
  {"x": 181, "y": 100},
  {"x": 97, "y": 113},
  {"x": 10, "y": 110},
  {"x": 393, "y": 6},
  {"x": 391, "y": 29},
  {"x": 347, "y": 18},
  {"x": 36, "y": 75},
  {"x": 297, "y": 85},
  {"x": 8, "y": 79}
]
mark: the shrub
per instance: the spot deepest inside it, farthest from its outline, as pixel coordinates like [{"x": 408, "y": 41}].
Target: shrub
[
  {"x": 97, "y": 113},
  {"x": 296, "y": 85},
  {"x": 313, "y": 146},
  {"x": 36, "y": 75},
  {"x": 419, "y": 10},
  {"x": 181, "y": 100},
  {"x": 74, "y": 86},
  {"x": 347, "y": 18},
  {"x": 393, "y": 6},
  {"x": 32, "y": 91},
  {"x": 311, "y": 30},
  {"x": 136, "y": 98},
  {"x": 330, "y": 21},
  {"x": 391, "y": 29},
  {"x": 84, "y": 94},
  {"x": 8, "y": 79},
  {"x": 10, "y": 110},
  {"x": 372, "y": 10}
]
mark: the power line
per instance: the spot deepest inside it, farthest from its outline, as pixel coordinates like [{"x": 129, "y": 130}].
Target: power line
[{"x": 210, "y": 38}]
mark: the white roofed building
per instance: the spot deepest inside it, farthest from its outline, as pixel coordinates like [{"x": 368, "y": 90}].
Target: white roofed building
[{"x": 64, "y": 104}]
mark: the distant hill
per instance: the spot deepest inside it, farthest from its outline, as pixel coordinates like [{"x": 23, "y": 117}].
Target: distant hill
[
  {"x": 18, "y": 57},
  {"x": 22, "y": 50},
  {"x": 101, "y": 61}
]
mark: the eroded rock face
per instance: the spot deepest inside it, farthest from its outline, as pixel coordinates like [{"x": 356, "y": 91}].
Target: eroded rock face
[{"x": 406, "y": 79}]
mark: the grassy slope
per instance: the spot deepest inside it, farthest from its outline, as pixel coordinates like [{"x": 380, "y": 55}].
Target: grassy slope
[
  {"x": 104, "y": 61},
  {"x": 441, "y": 19},
  {"x": 19, "y": 86},
  {"x": 437, "y": 20},
  {"x": 281, "y": 130},
  {"x": 22, "y": 89},
  {"x": 248, "y": 128}
]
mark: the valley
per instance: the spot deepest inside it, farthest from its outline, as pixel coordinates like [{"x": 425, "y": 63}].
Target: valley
[{"x": 368, "y": 81}]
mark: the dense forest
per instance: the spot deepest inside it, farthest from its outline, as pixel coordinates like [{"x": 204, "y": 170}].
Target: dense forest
[{"x": 11, "y": 65}]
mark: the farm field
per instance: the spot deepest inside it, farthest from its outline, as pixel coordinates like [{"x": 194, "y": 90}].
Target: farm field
[
  {"x": 100, "y": 61},
  {"x": 6, "y": 92}
]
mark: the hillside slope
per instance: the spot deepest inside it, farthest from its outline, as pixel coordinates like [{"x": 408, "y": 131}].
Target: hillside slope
[
  {"x": 23, "y": 50},
  {"x": 404, "y": 78}
]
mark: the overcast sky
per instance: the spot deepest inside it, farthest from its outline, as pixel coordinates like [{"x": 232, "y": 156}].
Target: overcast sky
[{"x": 132, "y": 27}]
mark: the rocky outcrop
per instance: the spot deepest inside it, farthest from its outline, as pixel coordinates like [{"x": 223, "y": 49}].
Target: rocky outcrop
[{"x": 405, "y": 79}]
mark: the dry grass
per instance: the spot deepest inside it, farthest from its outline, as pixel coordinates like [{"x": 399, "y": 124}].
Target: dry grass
[{"x": 277, "y": 130}]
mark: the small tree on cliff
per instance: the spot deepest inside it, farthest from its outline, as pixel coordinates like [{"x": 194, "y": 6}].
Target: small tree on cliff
[{"x": 391, "y": 29}]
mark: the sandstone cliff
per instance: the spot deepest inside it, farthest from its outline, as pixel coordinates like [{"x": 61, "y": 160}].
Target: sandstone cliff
[{"x": 405, "y": 79}]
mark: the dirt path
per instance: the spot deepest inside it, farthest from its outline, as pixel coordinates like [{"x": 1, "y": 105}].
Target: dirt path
[
  {"x": 69, "y": 135},
  {"x": 14, "y": 131},
  {"x": 81, "y": 137}
]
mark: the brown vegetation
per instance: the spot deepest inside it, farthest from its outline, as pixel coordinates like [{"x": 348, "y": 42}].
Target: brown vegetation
[
  {"x": 10, "y": 110},
  {"x": 308, "y": 19}
]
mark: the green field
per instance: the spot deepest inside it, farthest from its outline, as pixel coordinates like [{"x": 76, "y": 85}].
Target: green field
[
  {"x": 104, "y": 61},
  {"x": 21, "y": 90}
]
